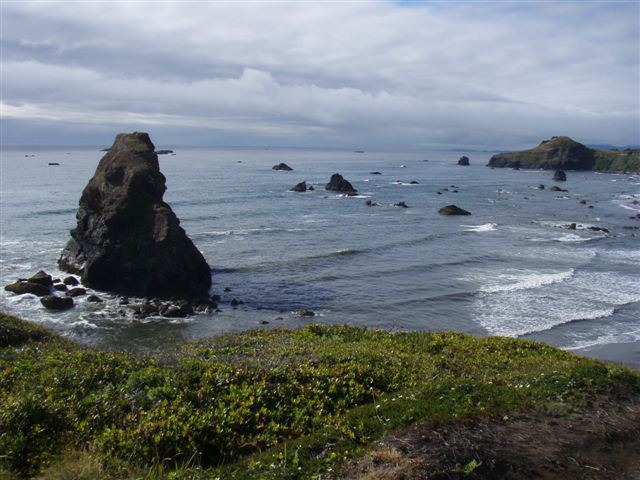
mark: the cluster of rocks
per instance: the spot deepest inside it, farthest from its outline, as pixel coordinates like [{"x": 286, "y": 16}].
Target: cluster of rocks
[
  {"x": 44, "y": 286},
  {"x": 301, "y": 187},
  {"x": 178, "y": 308},
  {"x": 595, "y": 228}
]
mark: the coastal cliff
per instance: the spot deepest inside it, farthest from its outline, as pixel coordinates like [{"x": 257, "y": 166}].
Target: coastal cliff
[{"x": 567, "y": 154}]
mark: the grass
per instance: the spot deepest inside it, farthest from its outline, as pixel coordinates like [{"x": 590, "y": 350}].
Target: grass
[{"x": 262, "y": 404}]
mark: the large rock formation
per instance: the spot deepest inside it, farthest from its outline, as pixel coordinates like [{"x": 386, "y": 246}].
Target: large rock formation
[
  {"x": 127, "y": 239},
  {"x": 338, "y": 184},
  {"x": 563, "y": 153},
  {"x": 464, "y": 161}
]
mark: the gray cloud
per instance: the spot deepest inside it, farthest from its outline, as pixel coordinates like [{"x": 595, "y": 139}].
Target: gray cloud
[{"x": 339, "y": 74}]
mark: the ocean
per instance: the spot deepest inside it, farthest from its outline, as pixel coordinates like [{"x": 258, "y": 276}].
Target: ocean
[{"x": 511, "y": 268}]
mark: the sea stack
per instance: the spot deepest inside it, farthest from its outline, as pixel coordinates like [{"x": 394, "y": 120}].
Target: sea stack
[
  {"x": 339, "y": 184},
  {"x": 560, "y": 176},
  {"x": 128, "y": 240},
  {"x": 464, "y": 161}
]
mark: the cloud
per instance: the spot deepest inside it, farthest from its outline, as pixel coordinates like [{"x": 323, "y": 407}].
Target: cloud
[{"x": 336, "y": 74}]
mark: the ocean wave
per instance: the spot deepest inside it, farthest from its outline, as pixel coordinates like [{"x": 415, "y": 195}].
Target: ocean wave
[
  {"x": 572, "y": 238},
  {"x": 487, "y": 227},
  {"x": 57, "y": 211},
  {"x": 626, "y": 336},
  {"x": 245, "y": 231},
  {"x": 528, "y": 281},
  {"x": 588, "y": 295}
]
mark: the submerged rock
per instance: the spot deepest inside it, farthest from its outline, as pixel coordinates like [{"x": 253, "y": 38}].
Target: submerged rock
[
  {"x": 464, "y": 161},
  {"x": 53, "y": 302},
  {"x": 299, "y": 187},
  {"x": 282, "y": 166},
  {"x": 338, "y": 184},
  {"x": 128, "y": 240},
  {"x": 557, "y": 189},
  {"x": 375, "y": 173},
  {"x": 453, "y": 210},
  {"x": 303, "y": 312},
  {"x": 163, "y": 152},
  {"x": 401, "y": 205},
  {"x": 560, "y": 176}
]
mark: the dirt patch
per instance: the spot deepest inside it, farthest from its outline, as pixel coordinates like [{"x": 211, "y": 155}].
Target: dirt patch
[{"x": 598, "y": 441}]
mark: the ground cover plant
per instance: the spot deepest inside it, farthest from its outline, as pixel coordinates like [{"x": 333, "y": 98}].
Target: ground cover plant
[{"x": 264, "y": 404}]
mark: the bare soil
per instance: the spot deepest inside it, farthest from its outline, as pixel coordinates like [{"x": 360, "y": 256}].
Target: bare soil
[{"x": 600, "y": 440}]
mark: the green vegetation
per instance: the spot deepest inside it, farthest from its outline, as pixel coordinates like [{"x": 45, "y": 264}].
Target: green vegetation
[
  {"x": 617, "y": 160},
  {"x": 262, "y": 404}
]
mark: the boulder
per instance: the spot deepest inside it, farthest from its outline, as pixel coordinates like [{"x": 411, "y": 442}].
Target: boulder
[
  {"x": 464, "y": 161},
  {"x": 299, "y": 187},
  {"x": 401, "y": 205},
  {"x": 595, "y": 228},
  {"x": 303, "y": 312},
  {"x": 557, "y": 189},
  {"x": 453, "y": 210},
  {"x": 560, "y": 176},
  {"x": 282, "y": 166},
  {"x": 57, "y": 303},
  {"x": 42, "y": 277},
  {"x": 60, "y": 287},
  {"x": 22, "y": 287},
  {"x": 127, "y": 239},
  {"x": 163, "y": 152},
  {"x": 375, "y": 173},
  {"x": 76, "y": 292},
  {"x": 94, "y": 299},
  {"x": 71, "y": 281},
  {"x": 338, "y": 184},
  {"x": 53, "y": 164},
  {"x": 414, "y": 182},
  {"x": 541, "y": 187}
]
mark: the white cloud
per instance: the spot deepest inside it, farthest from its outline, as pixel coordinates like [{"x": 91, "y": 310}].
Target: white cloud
[{"x": 311, "y": 73}]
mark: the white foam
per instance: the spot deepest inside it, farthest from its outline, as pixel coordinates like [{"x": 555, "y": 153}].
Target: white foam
[
  {"x": 527, "y": 281},
  {"x": 585, "y": 296},
  {"x": 572, "y": 238},
  {"x": 487, "y": 227},
  {"x": 613, "y": 336}
]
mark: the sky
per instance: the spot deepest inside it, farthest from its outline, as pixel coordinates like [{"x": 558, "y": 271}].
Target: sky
[{"x": 375, "y": 74}]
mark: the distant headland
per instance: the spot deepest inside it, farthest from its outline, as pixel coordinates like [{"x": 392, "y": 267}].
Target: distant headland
[{"x": 567, "y": 154}]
